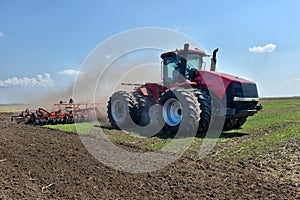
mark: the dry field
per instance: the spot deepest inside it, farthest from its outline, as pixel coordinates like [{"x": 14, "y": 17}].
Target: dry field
[{"x": 259, "y": 161}]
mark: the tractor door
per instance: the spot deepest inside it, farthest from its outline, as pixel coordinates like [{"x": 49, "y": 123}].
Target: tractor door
[{"x": 172, "y": 71}]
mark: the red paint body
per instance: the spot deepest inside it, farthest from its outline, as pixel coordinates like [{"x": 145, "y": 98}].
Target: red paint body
[
  {"x": 214, "y": 81},
  {"x": 217, "y": 82}
]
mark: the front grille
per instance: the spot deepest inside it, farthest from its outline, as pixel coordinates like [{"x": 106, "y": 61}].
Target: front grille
[
  {"x": 244, "y": 105},
  {"x": 243, "y": 90},
  {"x": 249, "y": 90}
]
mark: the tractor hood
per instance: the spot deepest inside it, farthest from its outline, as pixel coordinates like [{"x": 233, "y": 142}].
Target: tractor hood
[
  {"x": 232, "y": 78},
  {"x": 218, "y": 82}
]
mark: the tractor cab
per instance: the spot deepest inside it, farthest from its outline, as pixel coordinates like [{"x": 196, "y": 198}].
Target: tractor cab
[{"x": 180, "y": 65}]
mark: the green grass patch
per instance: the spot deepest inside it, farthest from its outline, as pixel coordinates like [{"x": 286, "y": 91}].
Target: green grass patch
[
  {"x": 81, "y": 128},
  {"x": 274, "y": 113},
  {"x": 126, "y": 138},
  {"x": 258, "y": 146},
  {"x": 277, "y": 124},
  {"x": 179, "y": 145},
  {"x": 63, "y": 127},
  {"x": 157, "y": 145}
]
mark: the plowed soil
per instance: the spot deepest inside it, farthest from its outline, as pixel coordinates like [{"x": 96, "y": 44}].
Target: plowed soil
[{"x": 40, "y": 163}]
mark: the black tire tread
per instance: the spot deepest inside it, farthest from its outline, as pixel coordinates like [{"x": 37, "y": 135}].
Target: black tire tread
[
  {"x": 143, "y": 104},
  {"x": 125, "y": 96},
  {"x": 204, "y": 100},
  {"x": 191, "y": 111}
]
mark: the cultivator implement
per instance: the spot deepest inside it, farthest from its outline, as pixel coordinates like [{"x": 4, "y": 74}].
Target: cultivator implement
[
  {"x": 64, "y": 114},
  {"x": 24, "y": 116}
]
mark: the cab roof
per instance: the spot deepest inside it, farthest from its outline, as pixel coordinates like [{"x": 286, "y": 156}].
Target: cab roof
[{"x": 190, "y": 51}]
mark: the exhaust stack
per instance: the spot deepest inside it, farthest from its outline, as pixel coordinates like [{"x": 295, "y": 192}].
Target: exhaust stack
[
  {"x": 214, "y": 60},
  {"x": 185, "y": 50}
]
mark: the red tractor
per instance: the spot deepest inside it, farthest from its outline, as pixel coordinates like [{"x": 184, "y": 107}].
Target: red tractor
[{"x": 189, "y": 96}]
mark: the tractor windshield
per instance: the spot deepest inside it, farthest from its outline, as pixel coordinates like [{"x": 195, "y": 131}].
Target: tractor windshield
[
  {"x": 174, "y": 71},
  {"x": 198, "y": 62},
  {"x": 194, "y": 61}
]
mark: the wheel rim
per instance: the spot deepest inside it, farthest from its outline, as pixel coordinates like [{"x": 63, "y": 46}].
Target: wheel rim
[
  {"x": 118, "y": 110},
  {"x": 172, "y": 112}
]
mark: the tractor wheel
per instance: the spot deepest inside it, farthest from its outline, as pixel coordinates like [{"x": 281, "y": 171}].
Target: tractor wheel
[
  {"x": 239, "y": 122},
  {"x": 229, "y": 124},
  {"x": 144, "y": 104},
  {"x": 180, "y": 111},
  {"x": 121, "y": 110},
  {"x": 204, "y": 100}
]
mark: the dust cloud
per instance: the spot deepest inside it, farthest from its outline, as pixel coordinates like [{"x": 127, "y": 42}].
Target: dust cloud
[
  {"x": 98, "y": 83},
  {"x": 98, "y": 80}
]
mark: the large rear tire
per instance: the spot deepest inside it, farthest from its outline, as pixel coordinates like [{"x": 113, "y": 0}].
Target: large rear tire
[
  {"x": 121, "y": 110},
  {"x": 180, "y": 111},
  {"x": 204, "y": 100},
  {"x": 144, "y": 103}
]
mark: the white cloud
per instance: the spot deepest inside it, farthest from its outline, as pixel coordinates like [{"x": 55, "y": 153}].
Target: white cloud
[
  {"x": 259, "y": 49},
  {"x": 1, "y": 34},
  {"x": 69, "y": 72},
  {"x": 38, "y": 81}
]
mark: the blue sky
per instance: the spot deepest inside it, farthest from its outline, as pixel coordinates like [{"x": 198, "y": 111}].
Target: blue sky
[{"x": 39, "y": 40}]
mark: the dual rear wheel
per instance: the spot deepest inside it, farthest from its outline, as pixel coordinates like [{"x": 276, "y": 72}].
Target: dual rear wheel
[{"x": 183, "y": 111}]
